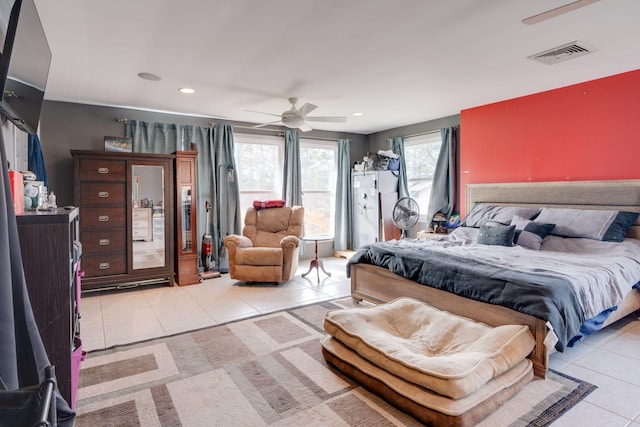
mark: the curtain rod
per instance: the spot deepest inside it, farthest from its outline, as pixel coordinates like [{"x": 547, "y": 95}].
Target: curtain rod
[
  {"x": 420, "y": 133},
  {"x": 280, "y": 132},
  {"x": 429, "y": 131}
]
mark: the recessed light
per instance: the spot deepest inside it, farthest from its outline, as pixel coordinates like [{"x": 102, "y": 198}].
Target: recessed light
[
  {"x": 358, "y": 114},
  {"x": 150, "y": 76},
  {"x": 186, "y": 90}
]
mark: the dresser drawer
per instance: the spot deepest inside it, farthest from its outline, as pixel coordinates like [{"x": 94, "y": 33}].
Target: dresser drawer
[
  {"x": 105, "y": 217},
  {"x": 101, "y": 241},
  {"x": 141, "y": 231},
  {"x": 102, "y": 194},
  {"x": 104, "y": 264},
  {"x": 102, "y": 170}
]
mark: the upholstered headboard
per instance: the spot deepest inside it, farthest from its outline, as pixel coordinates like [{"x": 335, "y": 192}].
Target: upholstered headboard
[{"x": 621, "y": 195}]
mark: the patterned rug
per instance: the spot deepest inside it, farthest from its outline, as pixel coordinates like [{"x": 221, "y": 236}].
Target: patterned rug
[{"x": 263, "y": 371}]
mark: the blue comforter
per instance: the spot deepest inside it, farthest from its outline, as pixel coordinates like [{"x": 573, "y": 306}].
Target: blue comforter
[{"x": 546, "y": 297}]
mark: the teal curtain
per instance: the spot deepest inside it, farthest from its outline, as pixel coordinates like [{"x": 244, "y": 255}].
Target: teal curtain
[
  {"x": 151, "y": 137},
  {"x": 292, "y": 181},
  {"x": 397, "y": 146},
  {"x": 227, "y": 218},
  {"x": 443, "y": 189},
  {"x": 343, "y": 239},
  {"x": 217, "y": 175}
]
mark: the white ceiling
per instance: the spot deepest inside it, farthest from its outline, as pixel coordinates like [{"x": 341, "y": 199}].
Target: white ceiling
[{"x": 397, "y": 61}]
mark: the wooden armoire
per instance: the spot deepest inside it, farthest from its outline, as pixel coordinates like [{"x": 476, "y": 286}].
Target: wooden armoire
[{"x": 126, "y": 203}]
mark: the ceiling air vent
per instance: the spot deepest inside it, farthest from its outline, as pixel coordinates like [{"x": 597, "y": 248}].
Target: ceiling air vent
[{"x": 561, "y": 53}]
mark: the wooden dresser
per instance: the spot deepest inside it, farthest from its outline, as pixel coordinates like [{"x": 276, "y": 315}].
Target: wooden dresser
[{"x": 117, "y": 194}]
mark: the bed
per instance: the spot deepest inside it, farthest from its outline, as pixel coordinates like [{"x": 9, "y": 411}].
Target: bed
[{"x": 377, "y": 284}]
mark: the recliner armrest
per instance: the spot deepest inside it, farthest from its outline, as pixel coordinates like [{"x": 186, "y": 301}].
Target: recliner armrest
[
  {"x": 238, "y": 241},
  {"x": 291, "y": 241}
]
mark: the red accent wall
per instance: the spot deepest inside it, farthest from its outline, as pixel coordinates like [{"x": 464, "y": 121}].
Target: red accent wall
[{"x": 581, "y": 132}]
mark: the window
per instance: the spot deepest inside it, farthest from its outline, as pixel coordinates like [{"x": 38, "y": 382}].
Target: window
[
  {"x": 258, "y": 159},
  {"x": 318, "y": 173},
  {"x": 421, "y": 155}
]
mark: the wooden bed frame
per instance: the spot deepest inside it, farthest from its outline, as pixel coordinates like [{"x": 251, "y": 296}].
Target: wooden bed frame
[{"x": 379, "y": 285}]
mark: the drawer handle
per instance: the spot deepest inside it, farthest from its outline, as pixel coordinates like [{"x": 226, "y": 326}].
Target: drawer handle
[
  {"x": 103, "y": 242},
  {"x": 103, "y": 218},
  {"x": 103, "y": 194},
  {"x": 103, "y": 170},
  {"x": 104, "y": 266}
]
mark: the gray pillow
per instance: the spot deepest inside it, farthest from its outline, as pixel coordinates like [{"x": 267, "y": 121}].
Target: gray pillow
[
  {"x": 529, "y": 234},
  {"x": 499, "y": 235},
  {"x": 483, "y": 212},
  {"x": 606, "y": 225}
]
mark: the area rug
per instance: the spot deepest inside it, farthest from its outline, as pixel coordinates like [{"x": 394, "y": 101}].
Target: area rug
[{"x": 264, "y": 371}]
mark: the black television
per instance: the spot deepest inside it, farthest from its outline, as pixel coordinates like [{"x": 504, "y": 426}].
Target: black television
[{"x": 24, "y": 63}]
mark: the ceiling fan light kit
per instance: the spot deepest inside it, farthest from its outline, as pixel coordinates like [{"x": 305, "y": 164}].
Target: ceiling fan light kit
[{"x": 296, "y": 118}]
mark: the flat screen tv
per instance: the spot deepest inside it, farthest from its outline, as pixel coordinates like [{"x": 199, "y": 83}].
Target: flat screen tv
[{"x": 24, "y": 63}]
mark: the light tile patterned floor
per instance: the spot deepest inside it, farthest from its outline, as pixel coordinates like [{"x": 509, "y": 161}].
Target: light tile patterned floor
[{"x": 610, "y": 359}]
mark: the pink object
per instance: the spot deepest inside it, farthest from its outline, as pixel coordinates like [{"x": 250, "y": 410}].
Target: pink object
[
  {"x": 77, "y": 357},
  {"x": 17, "y": 191},
  {"x": 258, "y": 204}
]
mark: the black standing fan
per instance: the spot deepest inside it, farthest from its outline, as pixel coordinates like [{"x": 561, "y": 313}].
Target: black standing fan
[{"x": 406, "y": 213}]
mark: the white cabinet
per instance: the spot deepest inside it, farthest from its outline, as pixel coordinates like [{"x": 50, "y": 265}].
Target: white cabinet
[
  {"x": 374, "y": 195},
  {"x": 142, "y": 224}
]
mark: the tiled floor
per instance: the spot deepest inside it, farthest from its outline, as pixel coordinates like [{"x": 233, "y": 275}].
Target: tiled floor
[
  {"x": 119, "y": 317},
  {"x": 609, "y": 359}
]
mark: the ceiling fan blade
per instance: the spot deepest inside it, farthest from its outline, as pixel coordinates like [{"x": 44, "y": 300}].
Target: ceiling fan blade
[
  {"x": 307, "y": 108},
  {"x": 552, "y": 13},
  {"x": 262, "y": 112},
  {"x": 337, "y": 119},
  {"x": 277, "y": 122},
  {"x": 305, "y": 128}
]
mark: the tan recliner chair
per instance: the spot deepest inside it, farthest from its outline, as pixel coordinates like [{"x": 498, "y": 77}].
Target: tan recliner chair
[{"x": 269, "y": 247}]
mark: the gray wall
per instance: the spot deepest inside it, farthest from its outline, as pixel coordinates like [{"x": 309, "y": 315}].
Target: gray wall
[
  {"x": 65, "y": 126},
  {"x": 380, "y": 140}
]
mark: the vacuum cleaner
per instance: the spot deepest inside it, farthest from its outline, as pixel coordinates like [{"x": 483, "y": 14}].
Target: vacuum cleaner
[{"x": 207, "y": 244}]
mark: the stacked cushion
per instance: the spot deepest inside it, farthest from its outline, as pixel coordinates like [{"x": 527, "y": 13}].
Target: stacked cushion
[
  {"x": 420, "y": 352},
  {"x": 449, "y": 354}
]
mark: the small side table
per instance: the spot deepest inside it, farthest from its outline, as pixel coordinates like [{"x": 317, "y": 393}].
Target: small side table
[{"x": 316, "y": 262}]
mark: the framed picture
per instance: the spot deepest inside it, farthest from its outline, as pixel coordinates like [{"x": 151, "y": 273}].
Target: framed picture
[{"x": 118, "y": 143}]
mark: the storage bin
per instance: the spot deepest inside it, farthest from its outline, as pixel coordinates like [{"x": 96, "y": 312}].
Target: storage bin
[{"x": 77, "y": 357}]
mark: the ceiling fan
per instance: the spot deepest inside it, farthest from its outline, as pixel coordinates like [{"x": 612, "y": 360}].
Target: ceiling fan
[
  {"x": 552, "y": 13},
  {"x": 296, "y": 118}
]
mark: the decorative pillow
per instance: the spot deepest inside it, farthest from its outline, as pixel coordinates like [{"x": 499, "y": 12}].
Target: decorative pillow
[
  {"x": 499, "y": 235},
  {"x": 482, "y": 212},
  {"x": 529, "y": 234},
  {"x": 606, "y": 225}
]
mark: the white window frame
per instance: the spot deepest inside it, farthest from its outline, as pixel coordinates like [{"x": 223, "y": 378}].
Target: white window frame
[
  {"x": 434, "y": 137},
  {"x": 325, "y": 145},
  {"x": 276, "y": 169}
]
